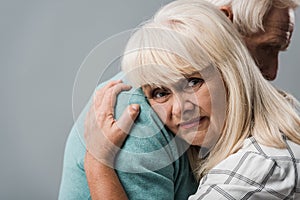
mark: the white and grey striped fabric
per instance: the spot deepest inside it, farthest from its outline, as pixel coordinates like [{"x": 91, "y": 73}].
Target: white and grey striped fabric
[{"x": 254, "y": 172}]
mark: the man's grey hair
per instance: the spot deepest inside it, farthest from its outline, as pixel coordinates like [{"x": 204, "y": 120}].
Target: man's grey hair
[{"x": 248, "y": 14}]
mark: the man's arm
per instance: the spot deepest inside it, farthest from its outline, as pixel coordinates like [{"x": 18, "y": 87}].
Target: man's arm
[
  {"x": 73, "y": 182},
  {"x": 102, "y": 180},
  {"x": 104, "y": 136}
]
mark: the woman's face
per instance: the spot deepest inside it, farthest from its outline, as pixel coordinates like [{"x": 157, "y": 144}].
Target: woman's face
[{"x": 185, "y": 107}]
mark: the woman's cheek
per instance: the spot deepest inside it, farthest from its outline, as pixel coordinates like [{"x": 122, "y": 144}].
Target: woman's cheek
[{"x": 162, "y": 112}]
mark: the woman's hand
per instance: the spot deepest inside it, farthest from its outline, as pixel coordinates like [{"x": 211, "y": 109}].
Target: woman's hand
[
  {"x": 103, "y": 134},
  {"x": 104, "y": 137}
]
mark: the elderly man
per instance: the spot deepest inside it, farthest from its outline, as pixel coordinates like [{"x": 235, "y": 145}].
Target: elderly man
[{"x": 265, "y": 25}]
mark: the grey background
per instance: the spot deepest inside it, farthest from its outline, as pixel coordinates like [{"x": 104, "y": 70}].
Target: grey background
[{"x": 43, "y": 44}]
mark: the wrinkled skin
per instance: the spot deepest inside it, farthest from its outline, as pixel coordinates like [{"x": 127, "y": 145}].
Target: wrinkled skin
[{"x": 266, "y": 45}]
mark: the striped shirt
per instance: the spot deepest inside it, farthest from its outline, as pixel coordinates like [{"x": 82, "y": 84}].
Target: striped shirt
[{"x": 254, "y": 172}]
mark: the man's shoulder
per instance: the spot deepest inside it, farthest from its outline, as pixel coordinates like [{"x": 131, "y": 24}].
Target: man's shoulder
[
  {"x": 148, "y": 137},
  {"x": 149, "y": 140}
]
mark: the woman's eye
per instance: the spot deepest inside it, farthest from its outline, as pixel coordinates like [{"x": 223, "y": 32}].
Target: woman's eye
[
  {"x": 195, "y": 82},
  {"x": 160, "y": 93}
]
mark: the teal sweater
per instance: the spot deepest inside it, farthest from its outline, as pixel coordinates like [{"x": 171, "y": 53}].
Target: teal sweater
[{"x": 151, "y": 165}]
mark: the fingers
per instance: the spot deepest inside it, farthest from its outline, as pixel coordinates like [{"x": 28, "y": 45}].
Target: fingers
[
  {"x": 126, "y": 120},
  {"x": 105, "y": 99},
  {"x": 99, "y": 94},
  {"x": 111, "y": 94},
  {"x": 103, "y": 134}
]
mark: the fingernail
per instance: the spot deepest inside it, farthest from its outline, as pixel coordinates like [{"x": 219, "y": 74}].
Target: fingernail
[{"x": 135, "y": 107}]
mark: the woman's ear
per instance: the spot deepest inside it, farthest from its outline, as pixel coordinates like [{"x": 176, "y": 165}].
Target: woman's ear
[{"x": 228, "y": 12}]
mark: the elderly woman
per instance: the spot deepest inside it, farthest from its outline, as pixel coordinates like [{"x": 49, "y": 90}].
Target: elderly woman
[{"x": 202, "y": 83}]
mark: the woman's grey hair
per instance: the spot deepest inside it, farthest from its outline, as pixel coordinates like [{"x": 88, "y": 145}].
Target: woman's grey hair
[{"x": 193, "y": 35}]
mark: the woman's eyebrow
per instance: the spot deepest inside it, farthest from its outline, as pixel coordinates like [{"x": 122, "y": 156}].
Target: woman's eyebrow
[
  {"x": 192, "y": 74},
  {"x": 186, "y": 78}
]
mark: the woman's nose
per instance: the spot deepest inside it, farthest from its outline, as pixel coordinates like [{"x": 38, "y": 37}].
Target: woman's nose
[{"x": 182, "y": 104}]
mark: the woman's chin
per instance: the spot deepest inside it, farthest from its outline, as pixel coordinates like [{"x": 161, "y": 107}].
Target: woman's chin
[{"x": 194, "y": 138}]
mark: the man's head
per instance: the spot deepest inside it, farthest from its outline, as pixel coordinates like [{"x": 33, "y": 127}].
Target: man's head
[{"x": 265, "y": 25}]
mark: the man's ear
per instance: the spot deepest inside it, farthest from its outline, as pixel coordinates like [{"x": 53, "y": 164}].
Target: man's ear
[{"x": 228, "y": 12}]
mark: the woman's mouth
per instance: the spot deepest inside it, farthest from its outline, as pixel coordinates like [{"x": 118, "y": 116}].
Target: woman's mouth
[{"x": 195, "y": 122}]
